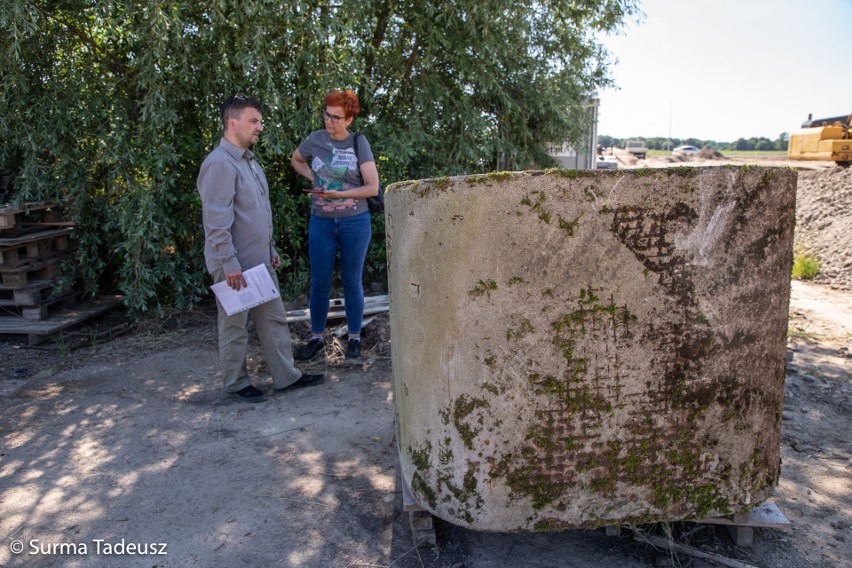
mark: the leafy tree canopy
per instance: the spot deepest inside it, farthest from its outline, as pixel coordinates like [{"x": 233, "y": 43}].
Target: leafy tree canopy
[{"x": 111, "y": 106}]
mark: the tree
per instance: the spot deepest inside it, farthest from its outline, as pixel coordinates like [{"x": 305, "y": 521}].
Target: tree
[
  {"x": 764, "y": 145},
  {"x": 742, "y": 144},
  {"x": 110, "y": 106},
  {"x": 466, "y": 85}
]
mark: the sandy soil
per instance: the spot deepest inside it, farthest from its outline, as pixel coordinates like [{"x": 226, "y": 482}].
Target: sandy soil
[{"x": 131, "y": 442}]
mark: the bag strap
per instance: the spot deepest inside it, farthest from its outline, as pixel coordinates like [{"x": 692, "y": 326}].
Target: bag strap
[{"x": 357, "y": 157}]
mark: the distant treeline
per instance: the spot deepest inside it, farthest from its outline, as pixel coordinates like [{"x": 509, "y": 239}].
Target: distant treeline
[{"x": 744, "y": 144}]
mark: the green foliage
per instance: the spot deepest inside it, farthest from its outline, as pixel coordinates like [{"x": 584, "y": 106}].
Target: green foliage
[
  {"x": 111, "y": 106},
  {"x": 805, "y": 267}
]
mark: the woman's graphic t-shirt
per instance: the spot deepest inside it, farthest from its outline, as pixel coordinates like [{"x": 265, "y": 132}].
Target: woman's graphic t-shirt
[{"x": 335, "y": 168}]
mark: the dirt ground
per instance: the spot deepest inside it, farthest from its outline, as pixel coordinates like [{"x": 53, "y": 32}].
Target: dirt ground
[{"x": 125, "y": 452}]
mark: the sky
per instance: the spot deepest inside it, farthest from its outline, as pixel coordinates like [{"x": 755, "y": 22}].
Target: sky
[{"x": 727, "y": 69}]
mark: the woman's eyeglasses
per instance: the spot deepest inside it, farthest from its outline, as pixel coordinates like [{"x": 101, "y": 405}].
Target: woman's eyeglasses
[{"x": 332, "y": 117}]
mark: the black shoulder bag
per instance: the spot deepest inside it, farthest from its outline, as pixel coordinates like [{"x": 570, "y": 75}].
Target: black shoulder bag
[{"x": 376, "y": 203}]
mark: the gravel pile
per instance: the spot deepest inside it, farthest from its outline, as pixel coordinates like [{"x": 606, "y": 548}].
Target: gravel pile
[{"x": 824, "y": 223}]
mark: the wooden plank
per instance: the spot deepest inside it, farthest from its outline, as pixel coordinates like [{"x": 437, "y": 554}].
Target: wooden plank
[
  {"x": 28, "y": 207},
  {"x": 47, "y": 224},
  {"x": 32, "y": 285},
  {"x": 36, "y": 331},
  {"x": 7, "y": 214},
  {"x": 765, "y": 515},
  {"x": 337, "y": 309},
  {"x": 16, "y": 241},
  {"x": 34, "y": 313}
]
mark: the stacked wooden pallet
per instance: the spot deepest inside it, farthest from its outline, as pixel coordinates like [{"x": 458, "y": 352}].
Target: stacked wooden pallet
[{"x": 34, "y": 241}]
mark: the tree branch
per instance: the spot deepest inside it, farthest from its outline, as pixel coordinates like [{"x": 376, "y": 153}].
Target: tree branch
[
  {"x": 87, "y": 39},
  {"x": 383, "y": 17}
]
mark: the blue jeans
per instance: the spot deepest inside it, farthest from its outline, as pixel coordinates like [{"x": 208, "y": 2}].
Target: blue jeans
[{"x": 350, "y": 235}]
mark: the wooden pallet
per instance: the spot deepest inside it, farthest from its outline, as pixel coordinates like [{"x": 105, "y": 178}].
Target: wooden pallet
[
  {"x": 34, "y": 242},
  {"x": 25, "y": 274},
  {"x": 34, "y": 294},
  {"x": 38, "y": 331},
  {"x": 22, "y": 249},
  {"x": 10, "y": 216},
  {"x": 37, "y": 301}
]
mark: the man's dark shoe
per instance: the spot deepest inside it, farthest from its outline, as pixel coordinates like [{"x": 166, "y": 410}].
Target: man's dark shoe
[
  {"x": 353, "y": 348},
  {"x": 250, "y": 394},
  {"x": 311, "y": 348},
  {"x": 304, "y": 381}
]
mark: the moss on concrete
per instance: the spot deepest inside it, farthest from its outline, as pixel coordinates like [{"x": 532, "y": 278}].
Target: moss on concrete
[
  {"x": 551, "y": 525},
  {"x": 483, "y": 287},
  {"x": 568, "y": 226},
  {"x": 445, "y": 452},
  {"x": 571, "y": 174},
  {"x": 463, "y": 407},
  {"x": 548, "y": 385},
  {"x": 489, "y": 177},
  {"x": 535, "y": 201},
  {"x": 421, "y": 488},
  {"x": 423, "y": 188},
  {"x": 421, "y": 457},
  {"x": 523, "y": 328}
]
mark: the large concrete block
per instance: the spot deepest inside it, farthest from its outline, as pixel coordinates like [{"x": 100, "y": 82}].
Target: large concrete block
[{"x": 579, "y": 349}]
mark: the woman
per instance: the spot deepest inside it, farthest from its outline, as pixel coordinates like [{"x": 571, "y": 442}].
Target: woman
[{"x": 342, "y": 179}]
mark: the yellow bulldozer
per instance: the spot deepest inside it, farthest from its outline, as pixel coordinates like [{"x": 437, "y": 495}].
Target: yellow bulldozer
[{"x": 828, "y": 139}]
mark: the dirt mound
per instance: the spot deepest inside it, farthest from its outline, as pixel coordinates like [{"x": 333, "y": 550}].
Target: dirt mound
[
  {"x": 707, "y": 153},
  {"x": 824, "y": 223}
]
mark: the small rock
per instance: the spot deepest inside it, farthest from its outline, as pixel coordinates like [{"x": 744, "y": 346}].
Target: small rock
[{"x": 786, "y": 415}]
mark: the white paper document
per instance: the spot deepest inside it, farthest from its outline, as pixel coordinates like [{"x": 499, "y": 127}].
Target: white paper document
[{"x": 260, "y": 290}]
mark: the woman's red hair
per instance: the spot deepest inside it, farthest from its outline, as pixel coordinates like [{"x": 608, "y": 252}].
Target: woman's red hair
[{"x": 347, "y": 100}]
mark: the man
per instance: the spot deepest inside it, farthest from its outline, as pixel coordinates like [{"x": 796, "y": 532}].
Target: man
[{"x": 238, "y": 235}]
